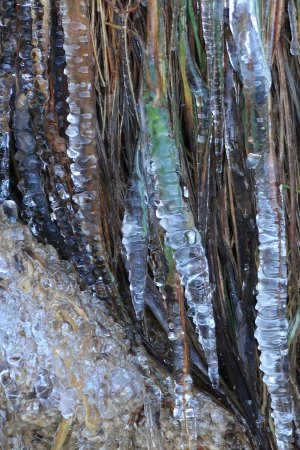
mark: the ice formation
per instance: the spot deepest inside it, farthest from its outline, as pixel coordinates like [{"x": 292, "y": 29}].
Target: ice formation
[
  {"x": 81, "y": 147},
  {"x": 27, "y": 143},
  {"x": 58, "y": 162},
  {"x": 7, "y": 70},
  {"x": 213, "y": 33},
  {"x": 61, "y": 368},
  {"x": 63, "y": 360},
  {"x": 295, "y": 43},
  {"x": 135, "y": 235},
  {"x": 271, "y": 323},
  {"x": 181, "y": 235},
  {"x": 67, "y": 378}
]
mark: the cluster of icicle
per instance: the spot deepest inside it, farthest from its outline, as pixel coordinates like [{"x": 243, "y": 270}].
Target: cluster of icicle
[
  {"x": 181, "y": 235},
  {"x": 137, "y": 242},
  {"x": 182, "y": 250},
  {"x": 271, "y": 332},
  {"x": 67, "y": 377},
  {"x": 46, "y": 53}
]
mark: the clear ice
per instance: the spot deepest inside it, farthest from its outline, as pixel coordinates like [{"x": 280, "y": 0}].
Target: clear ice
[
  {"x": 295, "y": 42},
  {"x": 67, "y": 376},
  {"x": 7, "y": 71},
  {"x": 81, "y": 142},
  {"x": 181, "y": 235},
  {"x": 27, "y": 117},
  {"x": 135, "y": 235},
  {"x": 271, "y": 323},
  {"x": 212, "y": 12},
  {"x": 63, "y": 359}
]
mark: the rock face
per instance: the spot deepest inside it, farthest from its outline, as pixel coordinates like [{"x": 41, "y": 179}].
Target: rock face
[{"x": 67, "y": 378}]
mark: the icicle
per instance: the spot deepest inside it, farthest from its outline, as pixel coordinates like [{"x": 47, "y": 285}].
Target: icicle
[
  {"x": 57, "y": 66},
  {"x": 152, "y": 407},
  {"x": 126, "y": 73},
  {"x": 271, "y": 322},
  {"x": 234, "y": 141},
  {"x": 201, "y": 95},
  {"x": 29, "y": 164},
  {"x": 39, "y": 56},
  {"x": 183, "y": 399},
  {"x": 212, "y": 24},
  {"x": 295, "y": 44},
  {"x": 4, "y": 160},
  {"x": 39, "y": 98},
  {"x": 245, "y": 30},
  {"x": 181, "y": 235},
  {"x": 232, "y": 53},
  {"x": 184, "y": 403},
  {"x": 81, "y": 135},
  {"x": 135, "y": 236},
  {"x": 7, "y": 16},
  {"x": 60, "y": 187},
  {"x": 203, "y": 132},
  {"x": 157, "y": 261}
]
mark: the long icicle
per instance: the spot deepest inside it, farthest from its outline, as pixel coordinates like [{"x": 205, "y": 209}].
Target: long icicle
[
  {"x": 81, "y": 133},
  {"x": 271, "y": 323},
  {"x": 37, "y": 210},
  {"x": 8, "y": 54},
  {"x": 184, "y": 402},
  {"x": 295, "y": 43},
  {"x": 58, "y": 162},
  {"x": 135, "y": 235},
  {"x": 39, "y": 99},
  {"x": 213, "y": 32},
  {"x": 181, "y": 235}
]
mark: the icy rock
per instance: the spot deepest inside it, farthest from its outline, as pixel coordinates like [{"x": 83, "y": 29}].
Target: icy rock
[
  {"x": 56, "y": 362},
  {"x": 66, "y": 368}
]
